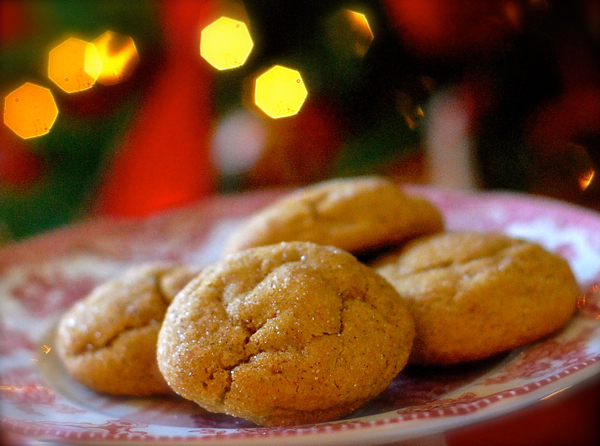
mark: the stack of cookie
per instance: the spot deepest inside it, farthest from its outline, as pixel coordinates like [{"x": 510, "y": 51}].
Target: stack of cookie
[{"x": 290, "y": 327}]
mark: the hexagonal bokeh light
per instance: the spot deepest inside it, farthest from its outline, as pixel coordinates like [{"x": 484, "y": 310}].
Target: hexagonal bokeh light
[
  {"x": 226, "y": 43},
  {"x": 119, "y": 57},
  {"x": 74, "y": 65},
  {"x": 30, "y": 111},
  {"x": 280, "y": 92}
]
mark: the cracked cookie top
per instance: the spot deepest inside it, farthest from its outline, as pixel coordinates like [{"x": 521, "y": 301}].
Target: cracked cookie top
[
  {"x": 107, "y": 341},
  {"x": 354, "y": 214},
  {"x": 285, "y": 334},
  {"x": 475, "y": 294}
]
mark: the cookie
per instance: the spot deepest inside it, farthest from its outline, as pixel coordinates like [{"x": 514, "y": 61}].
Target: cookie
[
  {"x": 107, "y": 341},
  {"x": 285, "y": 334},
  {"x": 355, "y": 214},
  {"x": 474, "y": 295}
]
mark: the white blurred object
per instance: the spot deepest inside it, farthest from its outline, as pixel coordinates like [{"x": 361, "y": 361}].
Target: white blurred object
[
  {"x": 239, "y": 139},
  {"x": 449, "y": 146}
]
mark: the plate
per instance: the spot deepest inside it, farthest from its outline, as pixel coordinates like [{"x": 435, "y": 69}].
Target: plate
[{"x": 42, "y": 277}]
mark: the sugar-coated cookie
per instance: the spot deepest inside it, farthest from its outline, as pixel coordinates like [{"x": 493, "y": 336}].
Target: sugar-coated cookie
[
  {"x": 354, "y": 214},
  {"x": 285, "y": 334},
  {"x": 107, "y": 341},
  {"x": 473, "y": 295}
]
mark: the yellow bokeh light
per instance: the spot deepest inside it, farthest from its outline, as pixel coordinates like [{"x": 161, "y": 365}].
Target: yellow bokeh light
[
  {"x": 226, "y": 43},
  {"x": 280, "y": 92},
  {"x": 74, "y": 65},
  {"x": 118, "y": 55},
  {"x": 30, "y": 111}
]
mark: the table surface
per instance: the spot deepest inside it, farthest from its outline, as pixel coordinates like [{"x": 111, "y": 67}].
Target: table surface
[{"x": 570, "y": 418}]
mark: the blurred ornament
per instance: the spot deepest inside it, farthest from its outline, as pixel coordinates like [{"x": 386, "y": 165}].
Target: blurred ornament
[
  {"x": 239, "y": 139},
  {"x": 280, "y": 92},
  {"x": 299, "y": 150},
  {"x": 30, "y": 110},
  {"x": 74, "y": 65},
  {"x": 19, "y": 166},
  {"x": 15, "y": 21},
  {"x": 118, "y": 55},
  {"x": 226, "y": 43},
  {"x": 444, "y": 29},
  {"x": 573, "y": 115},
  {"x": 450, "y": 146}
]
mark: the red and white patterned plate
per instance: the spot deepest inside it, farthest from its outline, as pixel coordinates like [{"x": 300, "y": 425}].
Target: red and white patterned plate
[{"x": 41, "y": 278}]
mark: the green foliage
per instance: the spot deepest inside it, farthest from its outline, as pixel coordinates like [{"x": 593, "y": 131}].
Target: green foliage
[{"x": 76, "y": 150}]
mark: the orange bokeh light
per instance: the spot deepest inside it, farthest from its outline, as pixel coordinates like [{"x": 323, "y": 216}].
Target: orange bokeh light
[
  {"x": 361, "y": 31},
  {"x": 585, "y": 179},
  {"x": 349, "y": 33},
  {"x": 30, "y": 111},
  {"x": 280, "y": 92},
  {"x": 118, "y": 55},
  {"x": 74, "y": 65}
]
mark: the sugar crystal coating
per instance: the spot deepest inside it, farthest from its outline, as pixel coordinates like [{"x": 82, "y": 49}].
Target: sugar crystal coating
[
  {"x": 285, "y": 334},
  {"x": 475, "y": 294},
  {"x": 355, "y": 214},
  {"x": 107, "y": 341}
]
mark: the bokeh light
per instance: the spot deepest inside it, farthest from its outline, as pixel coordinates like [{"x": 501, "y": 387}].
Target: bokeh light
[
  {"x": 586, "y": 178},
  {"x": 118, "y": 55},
  {"x": 240, "y": 138},
  {"x": 30, "y": 111},
  {"x": 280, "y": 92},
  {"x": 74, "y": 65},
  {"x": 361, "y": 31},
  {"x": 410, "y": 109},
  {"x": 349, "y": 33},
  {"x": 226, "y": 43}
]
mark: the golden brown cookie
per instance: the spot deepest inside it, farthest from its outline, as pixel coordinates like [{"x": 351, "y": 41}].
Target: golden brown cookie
[
  {"x": 473, "y": 295},
  {"x": 285, "y": 334},
  {"x": 107, "y": 341},
  {"x": 354, "y": 214}
]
